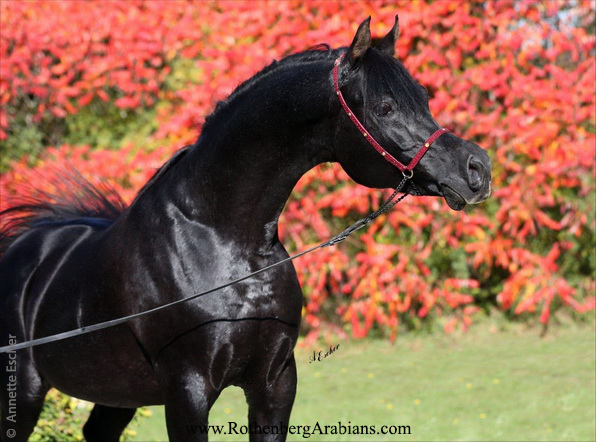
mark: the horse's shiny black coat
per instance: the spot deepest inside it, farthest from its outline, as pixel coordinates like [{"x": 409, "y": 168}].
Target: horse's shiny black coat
[{"x": 208, "y": 216}]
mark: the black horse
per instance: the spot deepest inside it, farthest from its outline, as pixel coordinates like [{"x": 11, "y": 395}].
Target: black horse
[{"x": 209, "y": 215}]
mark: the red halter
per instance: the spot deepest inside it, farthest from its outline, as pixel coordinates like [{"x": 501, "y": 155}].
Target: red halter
[{"x": 406, "y": 170}]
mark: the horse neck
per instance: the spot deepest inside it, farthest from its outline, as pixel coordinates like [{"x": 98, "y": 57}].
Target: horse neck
[{"x": 241, "y": 171}]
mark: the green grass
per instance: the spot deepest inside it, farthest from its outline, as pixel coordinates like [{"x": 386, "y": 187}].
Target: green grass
[{"x": 506, "y": 385}]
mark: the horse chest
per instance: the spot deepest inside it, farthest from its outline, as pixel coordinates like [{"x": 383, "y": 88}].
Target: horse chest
[{"x": 274, "y": 292}]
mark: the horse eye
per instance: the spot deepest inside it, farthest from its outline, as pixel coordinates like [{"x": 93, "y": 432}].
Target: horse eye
[{"x": 383, "y": 109}]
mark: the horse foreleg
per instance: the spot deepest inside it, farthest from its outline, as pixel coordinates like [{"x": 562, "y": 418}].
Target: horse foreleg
[
  {"x": 188, "y": 401},
  {"x": 270, "y": 406},
  {"x": 106, "y": 424}
]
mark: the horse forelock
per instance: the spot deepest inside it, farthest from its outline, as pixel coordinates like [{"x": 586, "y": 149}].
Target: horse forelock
[{"x": 383, "y": 75}]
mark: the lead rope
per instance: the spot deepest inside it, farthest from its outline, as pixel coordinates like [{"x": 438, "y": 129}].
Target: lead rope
[
  {"x": 364, "y": 221},
  {"x": 330, "y": 242}
]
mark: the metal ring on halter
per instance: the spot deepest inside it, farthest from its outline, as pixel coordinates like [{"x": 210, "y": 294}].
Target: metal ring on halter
[{"x": 406, "y": 176}]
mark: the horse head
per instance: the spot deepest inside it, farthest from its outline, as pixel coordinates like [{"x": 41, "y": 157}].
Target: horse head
[{"x": 394, "y": 109}]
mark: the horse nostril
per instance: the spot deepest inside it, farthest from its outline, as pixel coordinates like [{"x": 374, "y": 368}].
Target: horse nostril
[{"x": 475, "y": 170}]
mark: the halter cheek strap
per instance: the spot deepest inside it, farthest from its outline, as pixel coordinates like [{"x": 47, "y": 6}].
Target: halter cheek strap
[{"x": 407, "y": 171}]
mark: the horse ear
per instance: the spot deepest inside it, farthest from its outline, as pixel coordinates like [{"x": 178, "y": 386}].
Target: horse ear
[
  {"x": 387, "y": 45},
  {"x": 361, "y": 42}
]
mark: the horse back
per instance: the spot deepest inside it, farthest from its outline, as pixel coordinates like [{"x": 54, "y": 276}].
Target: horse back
[{"x": 33, "y": 261}]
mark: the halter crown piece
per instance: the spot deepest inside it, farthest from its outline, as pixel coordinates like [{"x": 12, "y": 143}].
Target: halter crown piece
[{"x": 407, "y": 171}]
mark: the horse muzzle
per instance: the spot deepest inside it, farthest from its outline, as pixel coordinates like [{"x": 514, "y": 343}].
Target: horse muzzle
[{"x": 473, "y": 188}]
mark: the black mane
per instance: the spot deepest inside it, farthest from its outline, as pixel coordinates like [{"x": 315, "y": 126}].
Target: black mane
[
  {"x": 319, "y": 52},
  {"x": 382, "y": 73}
]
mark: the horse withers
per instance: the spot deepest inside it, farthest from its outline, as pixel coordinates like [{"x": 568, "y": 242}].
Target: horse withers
[{"x": 208, "y": 216}]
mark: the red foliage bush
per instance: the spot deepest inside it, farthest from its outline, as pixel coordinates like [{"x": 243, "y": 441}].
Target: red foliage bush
[{"x": 518, "y": 78}]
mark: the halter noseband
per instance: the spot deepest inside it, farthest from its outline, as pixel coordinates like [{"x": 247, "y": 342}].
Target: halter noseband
[{"x": 407, "y": 171}]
